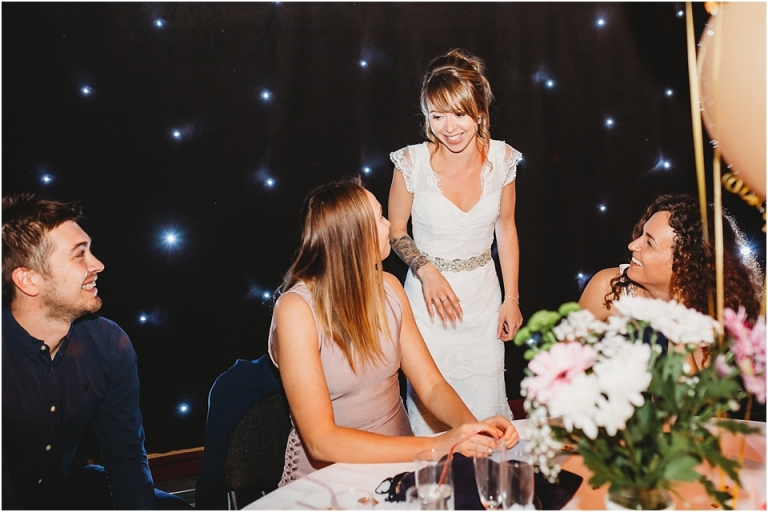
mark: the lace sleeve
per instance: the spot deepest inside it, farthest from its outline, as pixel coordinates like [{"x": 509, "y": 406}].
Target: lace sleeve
[
  {"x": 404, "y": 163},
  {"x": 511, "y": 157}
]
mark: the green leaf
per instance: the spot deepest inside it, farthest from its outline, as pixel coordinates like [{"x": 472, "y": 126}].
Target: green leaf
[
  {"x": 542, "y": 319},
  {"x": 737, "y": 427},
  {"x": 522, "y": 336},
  {"x": 721, "y": 496},
  {"x": 568, "y": 307},
  {"x": 682, "y": 469}
]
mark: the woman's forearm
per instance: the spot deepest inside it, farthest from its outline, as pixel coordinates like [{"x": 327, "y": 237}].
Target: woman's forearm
[
  {"x": 405, "y": 247},
  {"x": 443, "y": 401},
  {"x": 339, "y": 444},
  {"x": 509, "y": 257}
]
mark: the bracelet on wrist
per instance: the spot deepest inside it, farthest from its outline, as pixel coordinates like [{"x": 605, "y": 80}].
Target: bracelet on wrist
[{"x": 513, "y": 298}]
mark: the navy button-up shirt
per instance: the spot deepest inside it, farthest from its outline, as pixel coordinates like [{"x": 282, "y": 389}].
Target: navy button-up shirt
[{"x": 47, "y": 404}]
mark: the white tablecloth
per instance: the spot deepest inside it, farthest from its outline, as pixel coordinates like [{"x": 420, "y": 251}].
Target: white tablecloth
[{"x": 310, "y": 493}]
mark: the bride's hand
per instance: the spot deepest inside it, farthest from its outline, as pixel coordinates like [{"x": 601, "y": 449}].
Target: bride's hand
[
  {"x": 510, "y": 320},
  {"x": 438, "y": 294}
]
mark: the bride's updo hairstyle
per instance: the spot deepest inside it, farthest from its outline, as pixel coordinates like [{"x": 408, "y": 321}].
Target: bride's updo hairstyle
[
  {"x": 455, "y": 82},
  {"x": 339, "y": 261}
]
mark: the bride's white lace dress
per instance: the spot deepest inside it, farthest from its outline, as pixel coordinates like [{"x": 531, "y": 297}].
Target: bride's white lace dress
[{"x": 468, "y": 354}]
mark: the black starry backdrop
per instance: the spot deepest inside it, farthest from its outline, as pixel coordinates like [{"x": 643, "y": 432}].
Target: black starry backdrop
[{"x": 191, "y": 133}]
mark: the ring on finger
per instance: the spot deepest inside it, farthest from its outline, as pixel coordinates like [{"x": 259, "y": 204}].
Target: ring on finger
[{"x": 442, "y": 300}]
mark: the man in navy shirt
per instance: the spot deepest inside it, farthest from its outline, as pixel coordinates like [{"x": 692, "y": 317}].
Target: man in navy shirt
[{"x": 65, "y": 368}]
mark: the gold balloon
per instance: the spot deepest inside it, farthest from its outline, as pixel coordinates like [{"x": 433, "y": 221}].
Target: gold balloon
[{"x": 733, "y": 102}]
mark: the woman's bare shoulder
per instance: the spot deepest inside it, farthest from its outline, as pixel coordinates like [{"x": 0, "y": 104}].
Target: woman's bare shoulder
[
  {"x": 393, "y": 282},
  {"x": 290, "y": 304},
  {"x": 593, "y": 297},
  {"x": 604, "y": 276}
]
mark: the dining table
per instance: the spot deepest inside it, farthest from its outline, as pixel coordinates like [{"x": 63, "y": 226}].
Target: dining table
[{"x": 314, "y": 491}]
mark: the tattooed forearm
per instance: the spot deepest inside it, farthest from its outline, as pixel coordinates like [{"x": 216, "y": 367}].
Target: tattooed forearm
[{"x": 406, "y": 248}]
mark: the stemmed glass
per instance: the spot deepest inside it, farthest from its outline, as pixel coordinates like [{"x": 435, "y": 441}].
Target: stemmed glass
[
  {"x": 519, "y": 488},
  {"x": 491, "y": 474}
]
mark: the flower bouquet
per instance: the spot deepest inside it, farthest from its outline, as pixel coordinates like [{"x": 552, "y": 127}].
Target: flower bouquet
[{"x": 624, "y": 391}]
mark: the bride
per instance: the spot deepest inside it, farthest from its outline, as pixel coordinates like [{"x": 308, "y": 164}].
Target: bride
[{"x": 457, "y": 188}]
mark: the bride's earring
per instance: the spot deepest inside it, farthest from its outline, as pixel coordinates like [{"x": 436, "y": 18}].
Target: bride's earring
[{"x": 479, "y": 120}]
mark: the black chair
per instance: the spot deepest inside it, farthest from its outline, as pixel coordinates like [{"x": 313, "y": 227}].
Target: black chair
[
  {"x": 256, "y": 452},
  {"x": 246, "y": 433}
]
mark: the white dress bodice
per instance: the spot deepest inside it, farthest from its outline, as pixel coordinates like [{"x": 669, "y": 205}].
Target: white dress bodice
[{"x": 468, "y": 353}]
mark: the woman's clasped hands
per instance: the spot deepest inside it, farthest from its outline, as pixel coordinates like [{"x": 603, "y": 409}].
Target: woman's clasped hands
[{"x": 488, "y": 433}]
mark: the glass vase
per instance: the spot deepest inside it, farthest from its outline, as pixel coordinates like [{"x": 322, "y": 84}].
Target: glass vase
[{"x": 639, "y": 499}]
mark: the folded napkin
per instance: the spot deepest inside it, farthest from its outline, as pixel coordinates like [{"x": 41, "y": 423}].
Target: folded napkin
[{"x": 547, "y": 496}]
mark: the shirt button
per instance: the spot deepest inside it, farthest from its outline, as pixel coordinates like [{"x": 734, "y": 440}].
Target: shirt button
[
  {"x": 48, "y": 448},
  {"x": 53, "y": 408},
  {"x": 43, "y": 347},
  {"x": 40, "y": 481}
]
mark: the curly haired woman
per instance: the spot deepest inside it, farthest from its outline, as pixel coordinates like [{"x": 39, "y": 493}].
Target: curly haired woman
[{"x": 670, "y": 260}]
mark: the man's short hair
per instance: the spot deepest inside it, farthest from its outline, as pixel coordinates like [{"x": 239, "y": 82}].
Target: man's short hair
[{"x": 27, "y": 220}]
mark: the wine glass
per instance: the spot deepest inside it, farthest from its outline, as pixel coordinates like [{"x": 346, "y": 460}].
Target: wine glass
[
  {"x": 519, "y": 491},
  {"x": 491, "y": 474}
]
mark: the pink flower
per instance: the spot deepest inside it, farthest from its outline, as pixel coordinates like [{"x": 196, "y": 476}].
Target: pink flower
[
  {"x": 557, "y": 367},
  {"x": 736, "y": 323},
  {"x": 749, "y": 350},
  {"x": 756, "y": 386},
  {"x": 722, "y": 366}
]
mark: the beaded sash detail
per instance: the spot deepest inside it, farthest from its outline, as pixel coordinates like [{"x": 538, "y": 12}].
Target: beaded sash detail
[{"x": 459, "y": 265}]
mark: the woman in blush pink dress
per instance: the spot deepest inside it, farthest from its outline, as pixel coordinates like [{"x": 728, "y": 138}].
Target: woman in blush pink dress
[{"x": 341, "y": 328}]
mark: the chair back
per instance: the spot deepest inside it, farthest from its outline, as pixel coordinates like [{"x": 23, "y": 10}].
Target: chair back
[
  {"x": 241, "y": 409},
  {"x": 256, "y": 451}
]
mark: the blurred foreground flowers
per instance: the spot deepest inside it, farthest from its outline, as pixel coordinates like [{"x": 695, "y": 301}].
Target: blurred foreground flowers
[{"x": 624, "y": 391}]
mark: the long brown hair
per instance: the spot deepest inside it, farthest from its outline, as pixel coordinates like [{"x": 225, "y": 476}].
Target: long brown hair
[
  {"x": 339, "y": 261},
  {"x": 693, "y": 261},
  {"x": 455, "y": 82}
]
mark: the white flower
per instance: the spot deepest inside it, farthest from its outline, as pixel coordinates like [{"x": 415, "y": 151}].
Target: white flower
[
  {"x": 577, "y": 404},
  {"x": 540, "y": 444},
  {"x": 617, "y": 326},
  {"x": 622, "y": 380},
  {"x": 678, "y": 323},
  {"x": 626, "y": 375},
  {"x": 579, "y": 325},
  {"x": 613, "y": 414},
  {"x": 610, "y": 346}
]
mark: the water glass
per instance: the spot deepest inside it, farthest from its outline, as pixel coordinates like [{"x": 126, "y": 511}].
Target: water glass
[
  {"x": 519, "y": 488},
  {"x": 434, "y": 480},
  {"x": 491, "y": 474},
  {"x": 412, "y": 499}
]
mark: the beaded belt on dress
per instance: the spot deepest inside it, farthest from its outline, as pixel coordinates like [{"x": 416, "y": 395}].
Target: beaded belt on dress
[{"x": 459, "y": 265}]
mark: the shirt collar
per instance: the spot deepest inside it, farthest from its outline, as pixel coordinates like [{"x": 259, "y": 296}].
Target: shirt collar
[{"x": 13, "y": 332}]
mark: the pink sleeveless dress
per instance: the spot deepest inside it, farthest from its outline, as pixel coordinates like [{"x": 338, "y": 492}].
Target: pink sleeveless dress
[{"x": 367, "y": 401}]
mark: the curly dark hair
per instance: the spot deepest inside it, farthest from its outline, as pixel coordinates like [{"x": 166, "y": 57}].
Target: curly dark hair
[{"x": 693, "y": 261}]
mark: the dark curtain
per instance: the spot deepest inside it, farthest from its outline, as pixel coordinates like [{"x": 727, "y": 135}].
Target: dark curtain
[{"x": 557, "y": 74}]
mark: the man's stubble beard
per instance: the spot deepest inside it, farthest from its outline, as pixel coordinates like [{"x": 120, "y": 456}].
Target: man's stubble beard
[{"x": 65, "y": 312}]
